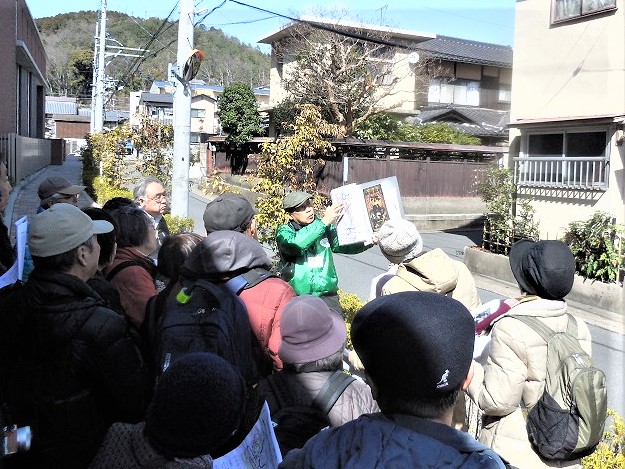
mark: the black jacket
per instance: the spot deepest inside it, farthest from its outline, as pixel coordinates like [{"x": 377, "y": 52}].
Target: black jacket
[{"x": 69, "y": 366}]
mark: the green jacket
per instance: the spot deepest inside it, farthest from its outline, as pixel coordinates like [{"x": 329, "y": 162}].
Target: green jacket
[{"x": 309, "y": 248}]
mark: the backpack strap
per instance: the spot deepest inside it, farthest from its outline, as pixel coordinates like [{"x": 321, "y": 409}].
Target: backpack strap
[
  {"x": 249, "y": 279},
  {"x": 332, "y": 390},
  {"x": 545, "y": 331},
  {"x": 119, "y": 267}
]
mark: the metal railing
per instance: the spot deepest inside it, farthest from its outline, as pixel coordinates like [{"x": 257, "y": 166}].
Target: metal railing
[{"x": 558, "y": 172}]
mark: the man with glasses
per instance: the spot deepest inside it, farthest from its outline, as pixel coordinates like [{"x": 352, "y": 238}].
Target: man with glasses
[
  {"x": 150, "y": 195},
  {"x": 57, "y": 189}
]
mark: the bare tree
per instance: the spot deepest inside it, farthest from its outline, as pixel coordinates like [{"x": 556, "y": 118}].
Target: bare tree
[{"x": 352, "y": 77}]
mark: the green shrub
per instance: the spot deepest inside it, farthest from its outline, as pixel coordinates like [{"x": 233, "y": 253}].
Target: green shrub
[
  {"x": 350, "y": 304},
  {"x": 103, "y": 191},
  {"x": 179, "y": 224},
  {"x": 593, "y": 244},
  {"x": 610, "y": 454}
]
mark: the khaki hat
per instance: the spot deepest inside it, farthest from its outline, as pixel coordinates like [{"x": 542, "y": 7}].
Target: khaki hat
[
  {"x": 62, "y": 228},
  {"x": 295, "y": 199},
  {"x": 57, "y": 185}
]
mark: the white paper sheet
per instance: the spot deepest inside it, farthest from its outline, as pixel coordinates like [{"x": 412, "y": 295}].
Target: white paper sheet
[
  {"x": 16, "y": 271},
  {"x": 259, "y": 450}
]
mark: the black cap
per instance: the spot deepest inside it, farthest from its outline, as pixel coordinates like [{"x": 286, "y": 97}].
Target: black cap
[
  {"x": 544, "y": 268},
  {"x": 228, "y": 212},
  {"x": 414, "y": 344}
]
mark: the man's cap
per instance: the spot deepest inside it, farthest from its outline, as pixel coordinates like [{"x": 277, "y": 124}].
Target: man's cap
[
  {"x": 295, "y": 199},
  {"x": 399, "y": 240},
  {"x": 544, "y": 268},
  {"x": 62, "y": 228},
  {"x": 57, "y": 185},
  {"x": 414, "y": 344},
  {"x": 310, "y": 330},
  {"x": 198, "y": 404},
  {"x": 228, "y": 212},
  {"x": 225, "y": 252}
]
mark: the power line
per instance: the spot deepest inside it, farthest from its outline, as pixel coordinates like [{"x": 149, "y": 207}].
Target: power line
[
  {"x": 341, "y": 32},
  {"x": 212, "y": 10}
]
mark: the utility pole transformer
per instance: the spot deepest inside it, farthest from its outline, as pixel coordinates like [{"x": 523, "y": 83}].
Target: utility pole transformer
[{"x": 182, "y": 115}]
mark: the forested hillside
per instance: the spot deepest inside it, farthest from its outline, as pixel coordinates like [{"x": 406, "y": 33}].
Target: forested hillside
[{"x": 68, "y": 40}]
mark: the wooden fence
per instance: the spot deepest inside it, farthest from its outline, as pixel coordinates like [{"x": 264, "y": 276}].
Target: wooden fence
[{"x": 416, "y": 177}]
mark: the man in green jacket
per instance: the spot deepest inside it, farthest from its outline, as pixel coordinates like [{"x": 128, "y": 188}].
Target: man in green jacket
[{"x": 306, "y": 245}]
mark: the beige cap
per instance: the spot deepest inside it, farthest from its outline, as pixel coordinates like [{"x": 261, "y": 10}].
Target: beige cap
[
  {"x": 62, "y": 228},
  {"x": 57, "y": 185}
]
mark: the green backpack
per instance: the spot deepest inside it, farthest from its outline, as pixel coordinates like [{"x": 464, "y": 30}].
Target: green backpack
[{"x": 568, "y": 420}]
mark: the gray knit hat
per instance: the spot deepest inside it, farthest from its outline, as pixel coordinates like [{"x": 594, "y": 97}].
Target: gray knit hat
[{"x": 399, "y": 240}]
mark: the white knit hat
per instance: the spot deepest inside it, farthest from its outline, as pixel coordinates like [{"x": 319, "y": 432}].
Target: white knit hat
[{"x": 399, "y": 240}]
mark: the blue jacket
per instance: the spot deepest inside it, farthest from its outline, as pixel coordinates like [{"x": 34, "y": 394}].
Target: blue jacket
[{"x": 398, "y": 441}]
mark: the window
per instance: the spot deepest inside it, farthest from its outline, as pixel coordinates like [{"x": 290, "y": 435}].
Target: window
[
  {"x": 385, "y": 79},
  {"x": 194, "y": 137},
  {"x": 564, "y": 10},
  {"x": 505, "y": 95},
  {"x": 446, "y": 91},
  {"x": 567, "y": 159},
  {"x": 198, "y": 113}
]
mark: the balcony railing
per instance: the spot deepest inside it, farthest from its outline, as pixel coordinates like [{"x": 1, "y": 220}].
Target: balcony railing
[{"x": 590, "y": 173}]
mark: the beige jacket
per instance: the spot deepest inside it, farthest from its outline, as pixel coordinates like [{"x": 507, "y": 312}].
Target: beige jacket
[
  {"x": 434, "y": 271},
  {"x": 513, "y": 377}
]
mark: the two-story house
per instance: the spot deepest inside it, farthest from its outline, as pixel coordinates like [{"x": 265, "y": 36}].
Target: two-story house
[
  {"x": 157, "y": 103},
  {"x": 466, "y": 83},
  {"x": 568, "y": 109}
]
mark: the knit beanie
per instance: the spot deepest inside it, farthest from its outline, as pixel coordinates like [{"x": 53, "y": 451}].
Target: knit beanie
[
  {"x": 414, "y": 344},
  {"x": 198, "y": 404},
  {"x": 399, "y": 240},
  {"x": 544, "y": 268},
  {"x": 310, "y": 330}
]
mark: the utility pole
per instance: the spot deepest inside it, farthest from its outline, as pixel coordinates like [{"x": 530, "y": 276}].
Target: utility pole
[
  {"x": 182, "y": 115},
  {"x": 97, "y": 106}
]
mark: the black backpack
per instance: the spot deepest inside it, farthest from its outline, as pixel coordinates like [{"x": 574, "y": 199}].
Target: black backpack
[
  {"x": 204, "y": 317},
  {"x": 294, "y": 424}
]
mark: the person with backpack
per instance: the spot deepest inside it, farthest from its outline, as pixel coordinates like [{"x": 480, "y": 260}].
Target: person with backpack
[
  {"x": 312, "y": 391},
  {"x": 417, "y": 350},
  {"x": 240, "y": 263},
  {"x": 518, "y": 362},
  {"x": 132, "y": 271}
]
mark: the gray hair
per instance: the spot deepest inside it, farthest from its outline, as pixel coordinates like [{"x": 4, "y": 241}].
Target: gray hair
[{"x": 139, "y": 190}]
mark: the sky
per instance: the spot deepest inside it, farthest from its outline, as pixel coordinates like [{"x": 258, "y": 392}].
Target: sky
[{"x": 479, "y": 20}]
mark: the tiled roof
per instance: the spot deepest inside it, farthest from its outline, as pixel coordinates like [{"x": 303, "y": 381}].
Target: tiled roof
[
  {"x": 464, "y": 50},
  {"x": 157, "y": 98},
  {"x": 61, "y": 107},
  {"x": 481, "y": 122}
]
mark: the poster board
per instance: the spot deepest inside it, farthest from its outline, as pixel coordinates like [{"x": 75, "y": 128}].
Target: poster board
[{"x": 367, "y": 207}]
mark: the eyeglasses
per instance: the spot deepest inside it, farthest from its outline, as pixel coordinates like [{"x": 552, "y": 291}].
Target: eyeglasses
[{"x": 158, "y": 198}]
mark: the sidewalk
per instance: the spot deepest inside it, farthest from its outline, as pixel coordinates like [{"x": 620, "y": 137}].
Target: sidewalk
[{"x": 24, "y": 199}]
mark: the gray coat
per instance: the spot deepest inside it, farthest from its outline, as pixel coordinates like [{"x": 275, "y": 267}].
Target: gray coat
[{"x": 355, "y": 400}]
